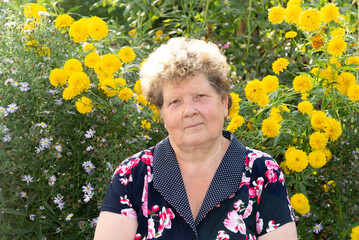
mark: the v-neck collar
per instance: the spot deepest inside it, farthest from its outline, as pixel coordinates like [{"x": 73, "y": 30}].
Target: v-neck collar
[{"x": 168, "y": 181}]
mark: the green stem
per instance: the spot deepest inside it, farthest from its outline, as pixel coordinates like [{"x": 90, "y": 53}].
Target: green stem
[{"x": 249, "y": 27}]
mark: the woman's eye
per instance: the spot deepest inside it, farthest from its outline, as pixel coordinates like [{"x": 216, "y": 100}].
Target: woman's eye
[{"x": 174, "y": 102}]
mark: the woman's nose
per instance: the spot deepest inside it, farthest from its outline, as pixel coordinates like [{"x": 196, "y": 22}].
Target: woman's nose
[{"x": 189, "y": 109}]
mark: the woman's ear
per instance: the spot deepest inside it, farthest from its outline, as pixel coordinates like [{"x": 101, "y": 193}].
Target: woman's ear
[{"x": 227, "y": 102}]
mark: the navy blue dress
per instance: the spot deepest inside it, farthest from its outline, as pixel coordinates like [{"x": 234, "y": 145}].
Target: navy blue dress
[{"x": 246, "y": 198}]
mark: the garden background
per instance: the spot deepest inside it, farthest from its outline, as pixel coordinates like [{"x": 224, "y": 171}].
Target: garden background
[{"x": 71, "y": 107}]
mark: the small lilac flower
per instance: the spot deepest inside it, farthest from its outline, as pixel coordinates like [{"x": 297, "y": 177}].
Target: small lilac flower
[
  {"x": 89, "y": 148},
  {"x": 90, "y": 133},
  {"x": 6, "y": 138},
  {"x": 42, "y": 124},
  {"x": 12, "y": 108},
  {"x": 32, "y": 217},
  {"x": 24, "y": 87},
  {"x": 317, "y": 228},
  {"x": 88, "y": 188},
  {"x": 58, "y": 148},
  {"x": 27, "y": 179},
  {"x": 52, "y": 180},
  {"x": 93, "y": 222},
  {"x": 69, "y": 216},
  {"x": 45, "y": 142},
  {"x": 23, "y": 194}
]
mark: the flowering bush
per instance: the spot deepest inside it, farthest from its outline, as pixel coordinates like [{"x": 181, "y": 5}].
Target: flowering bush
[{"x": 71, "y": 108}]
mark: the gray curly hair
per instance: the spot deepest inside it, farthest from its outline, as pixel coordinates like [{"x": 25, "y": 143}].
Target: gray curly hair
[{"x": 180, "y": 57}]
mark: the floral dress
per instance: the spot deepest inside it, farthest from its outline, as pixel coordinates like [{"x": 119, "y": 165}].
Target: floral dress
[{"x": 246, "y": 198}]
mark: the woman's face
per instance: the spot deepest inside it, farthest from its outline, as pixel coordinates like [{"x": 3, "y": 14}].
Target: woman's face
[{"x": 193, "y": 112}]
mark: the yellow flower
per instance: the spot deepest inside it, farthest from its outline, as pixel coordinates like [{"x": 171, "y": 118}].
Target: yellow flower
[
  {"x": 333, "y": 129},
  {"x": 33, "y": 10},
  {"x": 353, "y": 92},
  {"x": 328, "y": 154},
  {"x": 254, "y": 89},
  {"x": 353, "y": 60},
  {"x": 159, "y": 32},
  {"x": 125, "y": 94},
  {"x": 355, "y": 233},
  {"x": 338, "y": 32},
  {"x": 43, "y": 51},
  {"x": 141, "y": 99},
  {"x": 270, "y": 83},
  {"x": 29, "y": 25},
  {"x": 275, "y": 113},
  {"x": 79, "y": 31},
  {"x": 63, "y": 20},
  {"x": 233, "y": 111},
  {"x": 58, "y": 77},
  {"x": 330, "y": 75},
  {"x": 121, "y": 82},
  {"x": 318, "y": 140},
  {"x": 91, "y": 59},
  {"x": 335, "y": 62},
  {"x": 235, "y": 123},
  {"x": 309, "y": 20},
  {"x": 88, "y": 46},
  {"x": 83, "y": 105},
  {"x": 145, "y": 124},
  {"x": 292, "y": 13},
  {"x": 345, "y": 80},
  {"x": 72, "y": 66},
  {"x": 279, "y": 65},
  {"x": 79, "y": 82},
  {"x": 317, "y": 159},
  {"x": 305, "y": 96},
  {"x": 317, "y": 42},
  {"x": 137, "y": 87},
  {"x": 97, "y": 28},
  {"x": 330, "y": 184},
  {"x": 276, "y": 15},
  {"x": 294, "y": 3},
  {"x": 109, "y": 86},
  {"x": 69, "y": 93},
  {"x": 300, "y": 203},
  {"x": 270, "y": 127},
  {"x": 337, "y": 46},
  {"x": 126, "y": 54},
  {"x": 305, "y": 107},
  {"x": 283, "y": 166},
  {"x": 296, "y": 159},
  {"x": 329, "y": 12},
  {"x": 132, "y": 33},
  {"x": 291, "y": 34},
  {"x": 302, "y": 84},
  {"x": 109, "y": 64},
  {"x": 315, "y": 71},
  {"x": 318, "y": 120},
  {"x": 262, "y": 100}
]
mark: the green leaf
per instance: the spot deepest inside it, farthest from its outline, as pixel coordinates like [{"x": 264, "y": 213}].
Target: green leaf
[{"x": 13, "y": 212}]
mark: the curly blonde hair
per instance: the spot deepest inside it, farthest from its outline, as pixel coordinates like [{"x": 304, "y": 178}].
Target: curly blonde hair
[{"x": 180, "y": 57}]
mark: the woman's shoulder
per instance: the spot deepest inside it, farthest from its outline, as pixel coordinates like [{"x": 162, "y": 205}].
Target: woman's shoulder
[
  {"x": 138, "y": 161},
  {"x": 258, "y": 159}
]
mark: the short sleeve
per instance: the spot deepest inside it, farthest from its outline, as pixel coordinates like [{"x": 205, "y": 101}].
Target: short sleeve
[
  {"x": 274, "y": 209},
  {"x": 121, "y": 192}
]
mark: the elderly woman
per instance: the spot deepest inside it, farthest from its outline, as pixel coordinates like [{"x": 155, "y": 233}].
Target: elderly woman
[{"x": 200, "y": 182}]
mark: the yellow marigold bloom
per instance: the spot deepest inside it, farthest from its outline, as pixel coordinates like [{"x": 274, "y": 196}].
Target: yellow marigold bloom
[
  {"x": 337, "y": 46},
  {"x": 291, "y": 34},
  {"x": 332, "y": 129},
  {"x": 292, "y": 13},
  {"x": 305, "y": 96},
  {"x": 137, "y": 87},
  {"x": 29, "y": 25},
  {"x": 132, "y": 33},
  {"x": 270, "y": 83},
  {"x": 345, "y": 80},
  {"x": 353, "y": 92},
  {"x": 159, "y": 32},
  {"x": 79, "y": 31},
  {"x": 91, "y": 59},
  {"x": 329, "y": 13},
  {"x": 32, "y": 44},
  {"x": 317, "y": 42},
  {"x": 318, "y": 120},
  {"x": 262, "y": 100},
  {"x": 297, "y": 160},
  {"x": 33, "y": 10},
  {"x": 69, "y": 93},
  {"x": 109, "y": 86},
  {"x": 110, "y": 63},
  {"x": 294, "y": 2},
  {"x": 235, "y": 123},
  {"x": 300, "y": 203},
  {"x": 317, "y": 159},
  {"x": 283, "y": 166},
  {"x": 315, "y": 71},
  {"x": 88, "y": 46},
  {"x": 280, "y": 65},
  {"x": 83, "y": 105},
  {"x": 309, "y": 20},
  {"x": 254, "y": 89},
  {"x": 233, "y": 111},
  {"x": 355, "y": 233},
  {"x": 335, "y": 62},
  {"x": 276, "y": 15},
  {"x": 305, "y": 107},
  {"x": 58, "y": 77},
  {"x": 330, "y": 184},
  {"x": 79, "y": 82},
  {"x": 127, "y": 54},
  {"x": 270, "y": 127},
  {"x": 72, "y": 66},
  {"x": 318, "y": 140},
  {"x": 275, "y": 113},
  {"x": 338, "y": 32},
  {"x": 328, "y": 154},
  {"x": 125, "y": 94},
  {"x": 289, "y": 150},
  {"x": 353, "y": 60},
  {"x": 121, "y": 82},
  {"x": 97, "y": 28},
  {"x": 329, "y": 74},
  {"x": 63, "y": 20},
  {"x": 141, "y": 99},
  {"x": 302, "y": 84},
  {"x": 166, "y": 38},
  {"x": 145, "y": 124}
]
